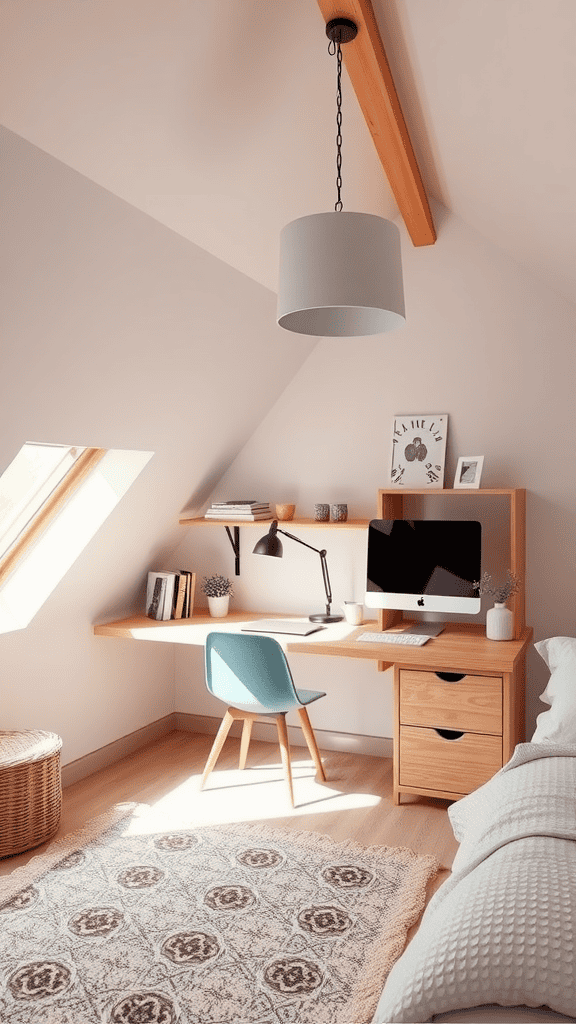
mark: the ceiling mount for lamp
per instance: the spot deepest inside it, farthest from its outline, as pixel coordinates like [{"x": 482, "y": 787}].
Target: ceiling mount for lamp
[
  {"x": 340, "y": 273},
  {"x": 341, "y": 30}
]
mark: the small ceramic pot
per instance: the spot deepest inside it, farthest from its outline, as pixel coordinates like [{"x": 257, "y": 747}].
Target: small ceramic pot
[
  {"x": 218, "y": 606},
  {"x": 322, "y": 513},
  {"x": 339, "y": 513},
  {"x": 285, "y": 512},
  {"x": 499, "y": 623}
]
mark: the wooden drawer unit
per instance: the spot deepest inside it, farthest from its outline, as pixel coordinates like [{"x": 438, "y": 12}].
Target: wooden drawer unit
[
  {"x": 453, "y": 730},
  {"x": 451, "y": 700},
  {"x": 447, "y": 761}
]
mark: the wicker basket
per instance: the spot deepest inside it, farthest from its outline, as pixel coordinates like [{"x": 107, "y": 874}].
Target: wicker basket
[{"x": 30, "y": 789}]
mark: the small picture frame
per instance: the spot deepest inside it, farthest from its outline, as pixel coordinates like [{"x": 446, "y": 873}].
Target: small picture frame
[{"x": 469, "y": 471}]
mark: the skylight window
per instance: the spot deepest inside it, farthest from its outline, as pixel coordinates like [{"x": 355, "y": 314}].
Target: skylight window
[
  {"x": 53, "y": 499},
  {"x": 27, "y": 483}
]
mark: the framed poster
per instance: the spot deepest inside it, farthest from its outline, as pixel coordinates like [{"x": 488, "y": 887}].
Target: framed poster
[
  {"x": 419, "y": 451},
  {"x": 469, "y": 471}
]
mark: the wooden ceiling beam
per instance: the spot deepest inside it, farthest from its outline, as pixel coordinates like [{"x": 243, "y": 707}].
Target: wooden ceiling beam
[{"x": 369, "y": 72}]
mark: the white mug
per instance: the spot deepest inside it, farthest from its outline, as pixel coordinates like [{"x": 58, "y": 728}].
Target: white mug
[{"x": 353, "y": 612}]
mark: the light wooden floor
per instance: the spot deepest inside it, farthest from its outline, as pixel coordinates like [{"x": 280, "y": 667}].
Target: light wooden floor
[{"x": 354, "y": 803}]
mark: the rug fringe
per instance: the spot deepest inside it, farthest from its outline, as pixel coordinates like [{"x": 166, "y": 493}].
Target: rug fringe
[
  {"x": 316, "y": 840},
  {"x": 409, "y": 908},
  {"x": 41, "y": 862}
]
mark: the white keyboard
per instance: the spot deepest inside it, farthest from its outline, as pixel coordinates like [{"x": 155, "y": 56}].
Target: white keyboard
[{"x": 413, "y": 639}]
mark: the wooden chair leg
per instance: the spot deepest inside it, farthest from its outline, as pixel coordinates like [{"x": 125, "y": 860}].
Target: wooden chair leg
[
  {"x": 285, "y": 752},
  {"x": 245, "y": 741},
  {"x": 214, "y": 754},
  {"x": 311, "y": 741}
]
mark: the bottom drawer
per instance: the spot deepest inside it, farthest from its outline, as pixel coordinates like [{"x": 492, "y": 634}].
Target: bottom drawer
[{"x": 429, "y": 760}]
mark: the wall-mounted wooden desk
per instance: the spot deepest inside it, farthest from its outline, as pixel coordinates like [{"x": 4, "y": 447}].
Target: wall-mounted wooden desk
[
  {"x": 195, "y": 630},
  {"x": 458, "y": 699},
  {"x": 461, "y": 647}
]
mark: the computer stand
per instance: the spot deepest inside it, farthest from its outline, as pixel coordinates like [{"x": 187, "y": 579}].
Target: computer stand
[{"x": 430, "y": 629}]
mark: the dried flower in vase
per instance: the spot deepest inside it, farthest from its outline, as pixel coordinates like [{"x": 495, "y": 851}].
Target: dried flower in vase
[
  {"x": 500, "y": 592},
  {"x": 216, "y": 586}
]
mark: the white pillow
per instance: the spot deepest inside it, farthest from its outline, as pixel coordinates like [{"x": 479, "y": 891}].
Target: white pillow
[{"x": 558, "y": 725}]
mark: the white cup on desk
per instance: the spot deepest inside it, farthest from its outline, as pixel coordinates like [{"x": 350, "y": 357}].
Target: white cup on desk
[{"x": 353, "y": 612}]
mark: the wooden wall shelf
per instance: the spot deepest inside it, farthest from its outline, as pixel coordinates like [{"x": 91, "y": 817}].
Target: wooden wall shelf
[
  {"x": 438, "y": 492},
  {"x": 350, "y": 524},
  {"x": 264, "y": 524}
]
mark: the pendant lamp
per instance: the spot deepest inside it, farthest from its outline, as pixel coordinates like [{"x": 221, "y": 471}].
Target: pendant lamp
[{"x": 340, "y": 272}]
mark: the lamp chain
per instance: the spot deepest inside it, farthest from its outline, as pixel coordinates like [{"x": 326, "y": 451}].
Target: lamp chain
[{"x": 334, "y": 47}]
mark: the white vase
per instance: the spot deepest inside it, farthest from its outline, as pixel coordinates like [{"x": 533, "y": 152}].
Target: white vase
[
  {"x": 499, "y": 622},
  {"x": 219, "y": 606}
]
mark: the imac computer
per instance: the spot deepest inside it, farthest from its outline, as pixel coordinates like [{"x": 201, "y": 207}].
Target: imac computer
[{"x": 424, "y": 565}]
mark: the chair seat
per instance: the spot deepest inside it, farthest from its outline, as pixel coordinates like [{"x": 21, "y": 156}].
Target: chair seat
[
  {"x": 307, "y": 696},
  {"x": 282, "y": 706}
]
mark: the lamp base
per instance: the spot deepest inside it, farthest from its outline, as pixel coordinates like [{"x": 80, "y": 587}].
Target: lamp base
[{"x": 325, "y": 618}]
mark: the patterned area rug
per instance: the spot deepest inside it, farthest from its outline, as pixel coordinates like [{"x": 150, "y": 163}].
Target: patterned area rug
[{"x": 243, "y": 924}]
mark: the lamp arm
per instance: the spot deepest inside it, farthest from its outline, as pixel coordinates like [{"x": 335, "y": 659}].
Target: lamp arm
[
  {"x": 326, "y": 581},
  {"x": 323, "y": 563},
  {"x": 292, "y": 537}
]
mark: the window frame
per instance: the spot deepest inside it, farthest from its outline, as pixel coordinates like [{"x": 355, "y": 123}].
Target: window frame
[{"x": 82, "y": 467}]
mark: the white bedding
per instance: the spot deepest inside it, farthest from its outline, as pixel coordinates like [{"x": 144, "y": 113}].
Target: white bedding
[
  {"x": 495, "y": 1014},
  {"x": 502, "y": 928}
]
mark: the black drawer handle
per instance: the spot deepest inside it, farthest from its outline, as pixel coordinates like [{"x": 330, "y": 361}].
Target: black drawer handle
[
  {"x": 451, "y": 677},
  {"x": 449, "y": 734}
]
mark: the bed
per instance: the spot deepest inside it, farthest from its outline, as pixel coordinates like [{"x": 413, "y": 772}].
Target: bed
[{"x": 497, "y": 942}]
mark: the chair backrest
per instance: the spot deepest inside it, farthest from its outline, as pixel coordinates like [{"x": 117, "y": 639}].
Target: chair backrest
[{"x": 241, "y": 668}]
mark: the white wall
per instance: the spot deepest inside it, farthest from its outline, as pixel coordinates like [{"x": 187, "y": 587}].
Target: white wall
[
  {"x": 485, "y": 343},
  {"x": 117, "y": 332}
]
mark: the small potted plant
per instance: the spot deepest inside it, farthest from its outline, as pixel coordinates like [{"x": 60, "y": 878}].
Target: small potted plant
[
  {"x": 499, "y": 619},
  {"x": 218, "y": 590}
]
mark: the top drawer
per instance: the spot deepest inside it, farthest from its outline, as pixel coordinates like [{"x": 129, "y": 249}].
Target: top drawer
[{"x": 469, "y": 703}]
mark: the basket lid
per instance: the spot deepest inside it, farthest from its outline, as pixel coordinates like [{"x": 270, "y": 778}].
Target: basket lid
[{"x": 26, "y": 746}]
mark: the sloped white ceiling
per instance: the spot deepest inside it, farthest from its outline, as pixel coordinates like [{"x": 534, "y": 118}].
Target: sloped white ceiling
[{"x": 216, "y": 117}]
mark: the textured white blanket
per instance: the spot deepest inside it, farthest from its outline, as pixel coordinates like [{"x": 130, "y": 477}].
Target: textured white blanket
[{"x": 502, "y": 928}]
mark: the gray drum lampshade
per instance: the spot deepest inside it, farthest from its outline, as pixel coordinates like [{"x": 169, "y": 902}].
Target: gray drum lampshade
[{"x": 340, "y": 275}]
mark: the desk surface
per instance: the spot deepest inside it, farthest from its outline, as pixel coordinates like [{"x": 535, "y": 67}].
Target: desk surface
[
  {"x": 461, "y": 647},
  {"x": 195, "y": 630}
]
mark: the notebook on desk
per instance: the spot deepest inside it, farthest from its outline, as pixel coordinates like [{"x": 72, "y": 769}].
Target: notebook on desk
[{"x": 281, "y": 626}]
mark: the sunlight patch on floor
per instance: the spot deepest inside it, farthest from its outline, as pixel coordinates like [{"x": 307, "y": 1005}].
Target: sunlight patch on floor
[{"x": 255, "y": 793}]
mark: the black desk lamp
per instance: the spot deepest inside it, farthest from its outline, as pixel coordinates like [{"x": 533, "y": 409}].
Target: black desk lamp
[{"x": 272, "y": 545}]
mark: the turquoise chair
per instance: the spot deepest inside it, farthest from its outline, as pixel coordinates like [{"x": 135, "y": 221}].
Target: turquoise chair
[{"x": 250, "y": 673}]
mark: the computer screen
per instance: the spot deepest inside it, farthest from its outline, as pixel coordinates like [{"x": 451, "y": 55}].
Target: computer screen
[{"x": 424, "y": 565}]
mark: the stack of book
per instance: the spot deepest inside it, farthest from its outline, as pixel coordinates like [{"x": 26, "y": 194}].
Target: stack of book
[
  {"x": 240, "y": 511},
  {"x": 170, "y": 595}
]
